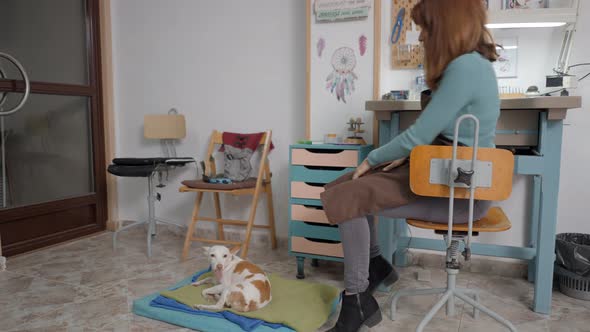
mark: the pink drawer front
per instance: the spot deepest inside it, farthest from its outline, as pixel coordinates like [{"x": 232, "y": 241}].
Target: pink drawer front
[
  {"x": 304, "y": 190},
  {"x": 310, "y": 214},
  {"x": 344, "y": 158},
  {"x": 303, "y": 245}
]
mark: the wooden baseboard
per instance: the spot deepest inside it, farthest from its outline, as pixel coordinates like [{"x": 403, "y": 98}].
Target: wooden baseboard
[
  {"x": 46, "y": 241},
  {"x": 113, "y": 225}
]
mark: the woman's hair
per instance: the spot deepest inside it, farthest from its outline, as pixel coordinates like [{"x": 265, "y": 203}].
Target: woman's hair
[{"x": 451, "y": 28}]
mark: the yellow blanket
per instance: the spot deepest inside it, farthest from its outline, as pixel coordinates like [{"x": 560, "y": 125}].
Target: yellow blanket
[{"x": 300, "y": 305}]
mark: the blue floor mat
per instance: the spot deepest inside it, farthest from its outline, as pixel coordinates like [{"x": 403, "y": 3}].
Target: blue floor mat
[{"x": 203, "y": 321}]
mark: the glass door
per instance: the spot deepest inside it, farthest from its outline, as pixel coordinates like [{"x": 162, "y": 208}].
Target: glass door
[{"x": 52, "y": 180}]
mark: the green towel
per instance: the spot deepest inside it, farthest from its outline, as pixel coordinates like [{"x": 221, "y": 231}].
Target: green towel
[{"x": 301, "y": 305}]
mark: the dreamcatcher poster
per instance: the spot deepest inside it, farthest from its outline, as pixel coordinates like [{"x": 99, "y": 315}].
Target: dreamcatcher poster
[{"x": 340, "y": 79}]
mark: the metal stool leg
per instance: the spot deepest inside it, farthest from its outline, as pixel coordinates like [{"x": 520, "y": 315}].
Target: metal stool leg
[
  {"x": 434, "y": 310},
  {"x": 411, "y": 292},
  {"x": 150, "y": 222},
  {"x": 470, "y": 296},
  {"x": 137, "y": 223},
  {"x": 475, "y": 294},
  {"x": 487, "y": 311},
  {"x": 151, "y": 231}
]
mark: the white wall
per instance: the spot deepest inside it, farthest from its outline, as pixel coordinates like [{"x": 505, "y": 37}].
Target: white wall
[
  {"x": 240, "y": 66},
  {"x": 538, "y": 52},
  {"x": 227, "y": 64},
  {"x": 327, "y": 115}
]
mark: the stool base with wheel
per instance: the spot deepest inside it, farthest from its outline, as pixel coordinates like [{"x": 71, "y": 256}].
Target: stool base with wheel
[{"x": 147, "y": 168}]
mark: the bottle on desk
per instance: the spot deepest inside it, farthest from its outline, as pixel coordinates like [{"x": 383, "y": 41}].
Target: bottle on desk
[{"x": 419, "y": 83}]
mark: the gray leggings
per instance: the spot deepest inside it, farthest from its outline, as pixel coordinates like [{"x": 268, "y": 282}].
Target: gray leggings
[{"x": 360, "y": 241}]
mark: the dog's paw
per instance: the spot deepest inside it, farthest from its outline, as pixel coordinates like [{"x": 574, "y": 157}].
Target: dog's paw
[
  {"x": 209, "y": 297},
  {"x": 206, "y": 307}
]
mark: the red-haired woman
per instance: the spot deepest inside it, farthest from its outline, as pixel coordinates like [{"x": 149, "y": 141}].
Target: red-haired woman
[{"x": 459, "y": 52}]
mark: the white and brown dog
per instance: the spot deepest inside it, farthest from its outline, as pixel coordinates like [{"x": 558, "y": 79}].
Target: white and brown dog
[{"x": 239, "y": 284}]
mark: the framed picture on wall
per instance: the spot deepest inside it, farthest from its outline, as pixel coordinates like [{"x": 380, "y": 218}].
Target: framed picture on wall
[
  {"x": 343, "y": 66},
  {"x": 507, "y": 64}
]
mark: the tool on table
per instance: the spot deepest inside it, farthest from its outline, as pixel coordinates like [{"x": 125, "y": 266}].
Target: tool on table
[{"x": 219, "y": 178}]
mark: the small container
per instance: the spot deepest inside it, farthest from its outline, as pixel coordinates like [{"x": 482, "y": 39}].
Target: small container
[
  {"x": 418, "y": 84},
  {"x": 332, "y": 139},
  {"x": 397, "y": 95}
]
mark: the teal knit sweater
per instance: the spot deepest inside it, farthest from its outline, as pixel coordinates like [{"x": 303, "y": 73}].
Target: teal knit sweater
[{"x": 468, "y": 86}]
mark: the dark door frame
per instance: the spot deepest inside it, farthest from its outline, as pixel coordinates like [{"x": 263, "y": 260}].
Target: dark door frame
[{"x": 92, "y": 206}]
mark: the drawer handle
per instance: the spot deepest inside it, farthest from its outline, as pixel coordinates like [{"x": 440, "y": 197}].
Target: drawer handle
[
  {"x": 313, "y": 184},
  {"x": 322, "y": 241},
  {"x": 320, "y": 225},
  {"x": 314, "y": 207},
  {"x": 324, "y": 151},
  {"x": 325, "y": 168}
]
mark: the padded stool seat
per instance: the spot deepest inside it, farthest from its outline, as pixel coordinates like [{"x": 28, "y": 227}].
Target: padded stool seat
[
  {"x": 494, "y": 221},
  {"x": 196, "y": 185},
  {"x": 139, "y": 161},
  {"x": 142, "y": 171},
  {"x": 146, "y": 168},
  {"x": 143, "y": 167}
]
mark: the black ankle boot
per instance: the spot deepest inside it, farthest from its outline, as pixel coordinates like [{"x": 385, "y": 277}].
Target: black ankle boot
[
  {"x": 357, "y": 310},
  {"x": 380, "y": 272}
]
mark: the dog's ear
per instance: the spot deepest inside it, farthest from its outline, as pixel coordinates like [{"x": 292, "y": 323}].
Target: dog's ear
[
  {"x": 206, "y": 250},
  {"x": 235, "y": 250}
]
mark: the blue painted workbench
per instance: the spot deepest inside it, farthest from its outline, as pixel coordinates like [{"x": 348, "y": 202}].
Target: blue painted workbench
[{"x": 532, "y": 128}]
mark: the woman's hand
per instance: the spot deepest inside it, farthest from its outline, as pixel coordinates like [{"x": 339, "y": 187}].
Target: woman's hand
[
  {"x": 363, "y": 168},
  {"x": 394, "y": 164}
]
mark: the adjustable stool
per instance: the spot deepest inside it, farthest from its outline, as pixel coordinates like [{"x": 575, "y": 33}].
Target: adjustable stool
[
  {"x": 167, "y": 128},
  {"x": 146, "y": 168},
  {"x": 464, "y": 173}
]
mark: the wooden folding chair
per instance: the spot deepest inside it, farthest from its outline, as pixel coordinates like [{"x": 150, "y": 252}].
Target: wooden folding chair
[{"x": 261, "y": 184}]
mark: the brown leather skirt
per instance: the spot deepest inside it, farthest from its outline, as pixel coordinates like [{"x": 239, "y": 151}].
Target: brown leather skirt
[{"x": 345, "y": 199}]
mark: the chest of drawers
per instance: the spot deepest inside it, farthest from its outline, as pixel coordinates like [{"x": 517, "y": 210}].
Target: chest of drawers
[{"x": 311, "y": 167}]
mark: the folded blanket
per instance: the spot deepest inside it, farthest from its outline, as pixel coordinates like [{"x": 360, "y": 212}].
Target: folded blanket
[
  {"x": 247, "y": 324},
  {"x": 205, "y": 323},
  {"x": 300, "y": 305}
]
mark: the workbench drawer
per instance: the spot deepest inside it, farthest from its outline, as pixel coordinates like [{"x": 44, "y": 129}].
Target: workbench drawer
[
  {"x": 515, "y": 127},
  {"x": 306, "y": 190},
  {"x": 325, "y": 157},
  {"x": 316, "y": 247},
  {"x": 308, "y": 213}
]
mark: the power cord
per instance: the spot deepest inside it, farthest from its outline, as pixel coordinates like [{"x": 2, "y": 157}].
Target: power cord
[
  {"x": 554, "y": 91},
  {"x": 570, "y": 67},
  {"x": 579, "y": 64}
]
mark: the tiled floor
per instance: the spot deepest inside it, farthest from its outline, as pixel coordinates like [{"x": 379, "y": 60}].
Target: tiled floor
[{"x": 85, "y": 286}]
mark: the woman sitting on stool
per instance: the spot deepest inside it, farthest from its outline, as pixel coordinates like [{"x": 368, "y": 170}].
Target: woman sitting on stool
[{"x": 459, "y": 52}]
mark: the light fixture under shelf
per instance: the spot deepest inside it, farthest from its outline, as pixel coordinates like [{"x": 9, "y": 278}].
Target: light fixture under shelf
[
  {"x": 531, "y": 18},
  {"x": 521, "y": 25}
]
